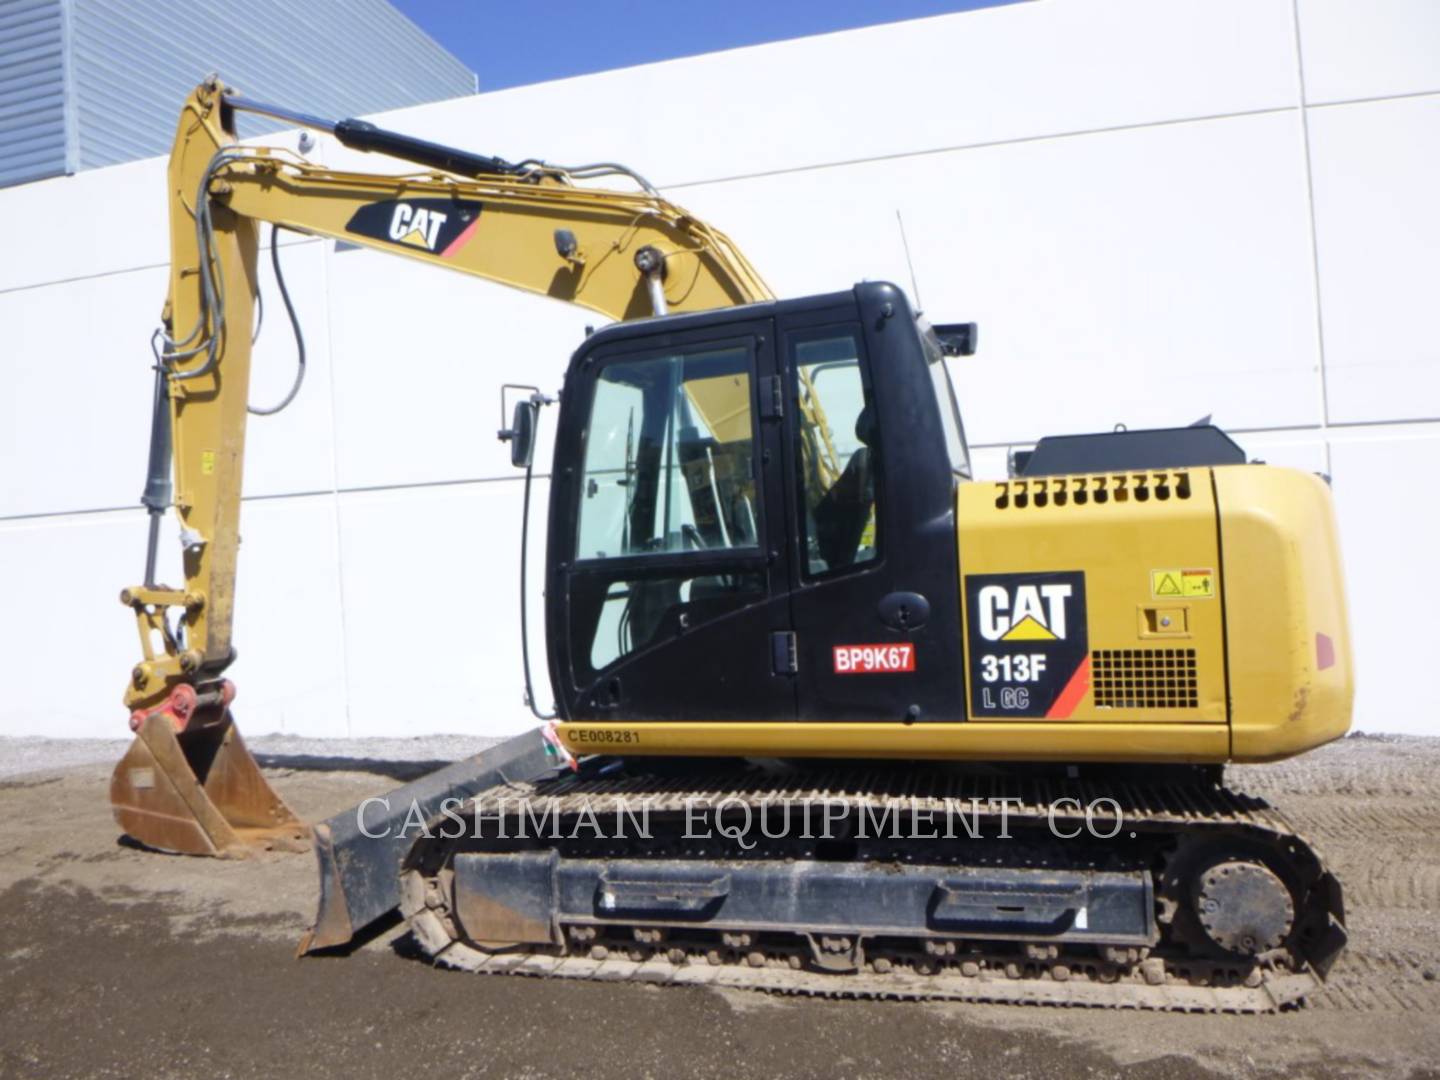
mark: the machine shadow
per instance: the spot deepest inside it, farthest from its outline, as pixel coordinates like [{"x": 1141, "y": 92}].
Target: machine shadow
[{"x": 403, "y": 771}]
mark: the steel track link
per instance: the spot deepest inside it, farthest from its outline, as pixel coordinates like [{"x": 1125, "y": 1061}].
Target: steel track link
[
  {"x": 1173, "y": 986},
  {"x": 1032, "y": 798},
  {"x": 895, "y": 986}
]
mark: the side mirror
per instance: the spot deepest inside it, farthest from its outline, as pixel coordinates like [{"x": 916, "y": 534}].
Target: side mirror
[
  {"x": 524, "y": 422},
  {"x": 521, "y": 434},
  {"x": 958, "y": 339}
]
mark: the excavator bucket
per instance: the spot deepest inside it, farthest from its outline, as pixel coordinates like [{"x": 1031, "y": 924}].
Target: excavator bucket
[
  {"x": 359, "y": 853},
  {"x": 199, "y": 792}
]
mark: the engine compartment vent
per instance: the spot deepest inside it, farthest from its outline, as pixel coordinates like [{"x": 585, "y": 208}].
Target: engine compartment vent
[
  {"x": 1100, "y": 489},
  {"x": 1144, "y": 678}
]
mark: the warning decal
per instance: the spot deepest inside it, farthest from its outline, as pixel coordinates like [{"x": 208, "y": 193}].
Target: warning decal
[
  {"x": 1183, "y": 584},
  {"x": 1027, "y": 638}
]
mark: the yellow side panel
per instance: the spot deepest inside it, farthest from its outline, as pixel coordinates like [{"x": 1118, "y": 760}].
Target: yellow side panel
[
  {"x": 1291, "y": 675},
  {"x": 1136, "y": 584},
  {"x": 1126, "y": 568}
]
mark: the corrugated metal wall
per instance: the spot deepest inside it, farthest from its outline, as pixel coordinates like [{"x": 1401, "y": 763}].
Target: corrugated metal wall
[
  {"x": 135, "y": 60},
  {"x": 32, "y": 90},
  {"x": 85, "y": 83}
]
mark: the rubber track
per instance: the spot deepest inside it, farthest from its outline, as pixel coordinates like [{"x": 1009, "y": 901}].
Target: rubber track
[{"x": 1152, "y": 808}]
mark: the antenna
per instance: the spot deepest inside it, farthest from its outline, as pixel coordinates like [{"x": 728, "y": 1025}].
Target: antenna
[{"x": 914, "y": 282}]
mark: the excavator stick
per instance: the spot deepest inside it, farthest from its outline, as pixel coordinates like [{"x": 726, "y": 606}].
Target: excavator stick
[
  {"x": 189, "y": 785},
  {"x": 361, "y": 851}
]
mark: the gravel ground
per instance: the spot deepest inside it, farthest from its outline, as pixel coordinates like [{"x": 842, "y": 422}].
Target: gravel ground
[
  {"x": 120, "y": 962},
  {"x": 19, "y": 756}
]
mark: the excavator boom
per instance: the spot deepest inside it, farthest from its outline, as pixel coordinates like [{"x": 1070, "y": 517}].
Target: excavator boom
[{"x": 188, "y": 784}]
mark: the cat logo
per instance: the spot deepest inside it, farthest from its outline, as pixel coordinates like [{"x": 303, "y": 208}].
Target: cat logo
[
  {"x": 440, "y": 227},
  {"x": 416, "y": 226},
  {"x": 1027, "y": 640},
  {"x": 1024, "y": 612}
]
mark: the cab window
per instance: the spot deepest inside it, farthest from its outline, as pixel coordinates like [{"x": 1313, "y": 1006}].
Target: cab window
[
  {"x": 837, "y": 456},
  {"x": 669, "y": 522},
  {"x": 670, "y": 457}
]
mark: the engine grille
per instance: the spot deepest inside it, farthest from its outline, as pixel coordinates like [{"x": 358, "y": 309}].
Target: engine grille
[
  {"x": 1144, "y": 678},
  {"x": 1097, "y": 489}
]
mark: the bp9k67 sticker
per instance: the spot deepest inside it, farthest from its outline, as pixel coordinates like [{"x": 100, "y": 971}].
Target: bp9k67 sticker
[{"x": 1027, "y": 636}]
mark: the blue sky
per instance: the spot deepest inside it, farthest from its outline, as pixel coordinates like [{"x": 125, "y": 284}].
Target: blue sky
[{"x": 518, "y": 42}]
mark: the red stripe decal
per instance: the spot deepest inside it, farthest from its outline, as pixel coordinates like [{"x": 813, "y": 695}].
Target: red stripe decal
[
  {"x": 1073, "y": 692},
  {"x": 461, "y": 240}
]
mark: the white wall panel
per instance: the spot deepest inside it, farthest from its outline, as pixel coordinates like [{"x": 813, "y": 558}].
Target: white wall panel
[
  {"x": 1377, "y": 217},
  {"x": 97, "y": 222},
  {"x": 76, "y": 644},
  {"x": 75, "y": 417},
  {"x": 292, "y": 451},
  {"x": 991, "y": 462},
  {"x": 1293, "y": 450},
  {"x": 1147, "y": 277},
  {"x": 94, "y": 223},
  {"x": 67, "y": 643},
  {"x": 1388, "y": 526},
  {"x": 419, "y": 358},
  {"x": 1369, "y": 48},
  {"x": 814, "y": 231},
  {"x": 431, "y": 609},
  {"x": 1013, "y": 72},
  {"x": 289, "y": 633},
  {"x": 75, "y": 406}
]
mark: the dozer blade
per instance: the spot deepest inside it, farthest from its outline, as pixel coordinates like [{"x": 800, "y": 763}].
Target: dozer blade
[
  {"x": 199, "y": 792},
  {"x": 359, "y": 853}
]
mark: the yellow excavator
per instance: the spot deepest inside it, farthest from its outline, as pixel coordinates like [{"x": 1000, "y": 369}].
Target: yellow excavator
[{"x": 830, "y": 716}]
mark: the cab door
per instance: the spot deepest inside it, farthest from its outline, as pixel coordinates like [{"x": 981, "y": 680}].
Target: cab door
[
  {"x": 874, "y": 599},
  {"x": 669, "y": 563}
]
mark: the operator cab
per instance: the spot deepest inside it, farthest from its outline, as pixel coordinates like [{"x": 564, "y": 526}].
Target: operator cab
[{"x": 724, "y": 486}]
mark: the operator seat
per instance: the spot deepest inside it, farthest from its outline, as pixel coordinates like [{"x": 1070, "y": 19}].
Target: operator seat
[{"x": 843, "y": 511}]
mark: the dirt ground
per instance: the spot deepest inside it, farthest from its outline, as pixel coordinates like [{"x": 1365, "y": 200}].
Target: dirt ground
[{"x": 116, "y": 962}]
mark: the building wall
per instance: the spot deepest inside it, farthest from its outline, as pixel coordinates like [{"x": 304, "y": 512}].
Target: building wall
[
  {"x": 1156, "y": 209},
  {"x": 86, "y": 83},
  {"x": 133, "y": 58},
  {"x": 32, "y": 90}
]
